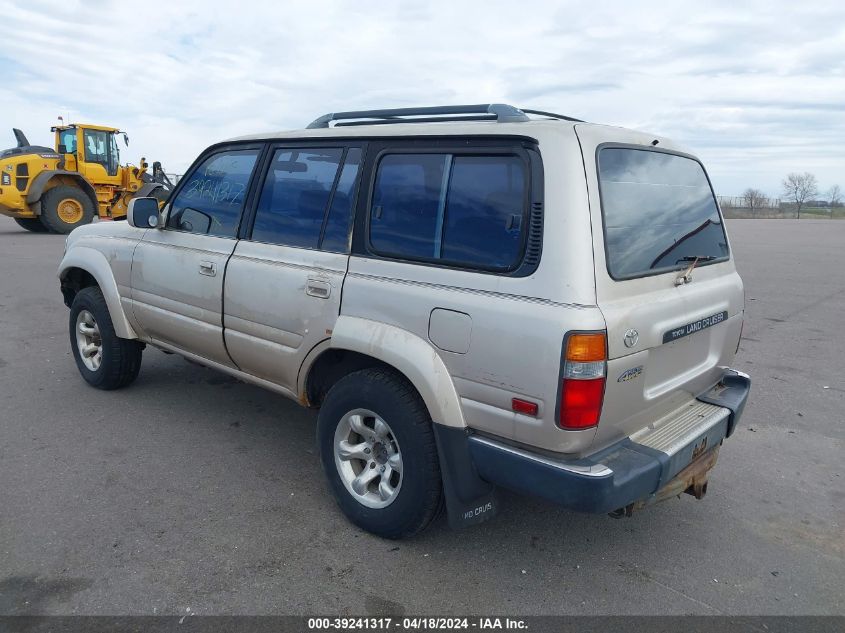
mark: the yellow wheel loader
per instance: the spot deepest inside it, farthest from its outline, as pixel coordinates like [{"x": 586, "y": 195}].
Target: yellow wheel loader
[{"x": 56, "y": 190}]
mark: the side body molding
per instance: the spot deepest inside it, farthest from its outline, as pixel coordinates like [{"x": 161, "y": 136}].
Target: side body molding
[
  {"x": 95, "y": 263},
  {"x": 411, "y": 355}
]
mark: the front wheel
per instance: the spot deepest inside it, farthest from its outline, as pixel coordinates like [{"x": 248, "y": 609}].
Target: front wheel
[
  {"x": 65, "y": 207},
  {"x": 104, "y": 360},
  {"x": 379, "y": 454}
]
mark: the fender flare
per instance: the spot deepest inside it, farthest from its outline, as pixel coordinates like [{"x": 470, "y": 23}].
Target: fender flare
[
  {"x": 409, "y": 354},
  {"x": 96, "y": 264},
  {"x": 36, "y": 189}
]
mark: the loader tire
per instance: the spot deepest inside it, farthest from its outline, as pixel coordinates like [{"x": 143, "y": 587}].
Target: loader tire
[
  {"x": 65, "y": 207},
  {"x": 33, "y": 225}
]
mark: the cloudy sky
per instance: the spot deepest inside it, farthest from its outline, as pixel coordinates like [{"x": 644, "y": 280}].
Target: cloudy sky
[{"x": 757, "y": 89}]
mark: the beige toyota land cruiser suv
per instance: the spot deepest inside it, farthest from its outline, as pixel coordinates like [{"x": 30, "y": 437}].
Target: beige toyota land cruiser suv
[{"x": 472, "y": 296}]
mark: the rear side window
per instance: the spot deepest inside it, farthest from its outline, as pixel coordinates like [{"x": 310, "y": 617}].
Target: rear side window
[
  {"x": 465, "y": 210},
  {"x": 210, "y": 203},
  {"x": 336, "y": 235},
  {"x": 659, "y": 213},
  {"x": 295, "y": 196}
]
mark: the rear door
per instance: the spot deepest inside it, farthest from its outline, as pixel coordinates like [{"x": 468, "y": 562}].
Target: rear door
[
  {"x": 284, "y": 280},
  {"x": 654, "y": 219}
]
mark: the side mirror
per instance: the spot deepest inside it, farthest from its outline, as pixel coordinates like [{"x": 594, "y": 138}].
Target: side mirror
[
  {"x": 143, "y": 213},
  {"x": 63, "y": 149}
]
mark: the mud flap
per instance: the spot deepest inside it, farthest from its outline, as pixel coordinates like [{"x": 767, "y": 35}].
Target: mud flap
[{"x": 469, "y": 499}]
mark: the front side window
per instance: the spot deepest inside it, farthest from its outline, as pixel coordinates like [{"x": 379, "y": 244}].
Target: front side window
[
  {"x": 466, "y": 210},
  {"x": 659, "y": 213},
  {"x": 295, "y": 196},
  {"x": 114, "y": 155},
  {"x": 213, "y": 197}
]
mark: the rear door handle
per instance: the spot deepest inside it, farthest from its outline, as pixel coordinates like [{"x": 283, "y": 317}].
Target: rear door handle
[
  {"x": 208, "y": 268},
  {"x": 317, "y": 288}
]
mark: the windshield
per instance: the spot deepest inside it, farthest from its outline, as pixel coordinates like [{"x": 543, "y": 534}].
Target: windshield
[{"x": 659, "y": 213}]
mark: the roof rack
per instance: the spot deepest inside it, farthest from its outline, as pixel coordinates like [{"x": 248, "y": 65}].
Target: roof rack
[
  {"x": 500, "y": 112},
  {"x": 562, "y": 117}
]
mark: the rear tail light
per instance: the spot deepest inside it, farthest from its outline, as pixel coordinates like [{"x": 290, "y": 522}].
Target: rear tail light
[{"x": 582, "y": 386}]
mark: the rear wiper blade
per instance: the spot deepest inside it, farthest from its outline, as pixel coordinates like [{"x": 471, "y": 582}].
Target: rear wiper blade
[{"x": 696, "y": 258}]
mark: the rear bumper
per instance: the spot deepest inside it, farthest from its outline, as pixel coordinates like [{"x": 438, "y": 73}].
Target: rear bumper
[{"x": 624, "y": 473}]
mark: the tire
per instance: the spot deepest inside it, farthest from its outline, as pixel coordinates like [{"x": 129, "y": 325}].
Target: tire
[
  {"x": 33, "y": 225},
  {"x": 65, "y": 207},
  {"x": 371, "y": 395},
  {"x": 117, "y": 361}
]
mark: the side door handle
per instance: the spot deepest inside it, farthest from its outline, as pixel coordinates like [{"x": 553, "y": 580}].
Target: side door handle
[
  {"x": 318, "y": 288},
  {"x": 208, "y": 268}
]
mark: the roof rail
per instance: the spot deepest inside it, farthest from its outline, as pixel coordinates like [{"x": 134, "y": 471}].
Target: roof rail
[
  {"x": 562, "y": 117},
  {"x": 500, "y": 112}
]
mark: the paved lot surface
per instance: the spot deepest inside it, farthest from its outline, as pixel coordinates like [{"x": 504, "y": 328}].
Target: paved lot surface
[{"x": 191, "y": 491}]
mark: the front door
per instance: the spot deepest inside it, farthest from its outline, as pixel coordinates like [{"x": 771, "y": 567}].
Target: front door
[
  {"x": 178, "y": 270},
  {"x": 100, "y": 157},
  {"x": 283, "y": 284}
]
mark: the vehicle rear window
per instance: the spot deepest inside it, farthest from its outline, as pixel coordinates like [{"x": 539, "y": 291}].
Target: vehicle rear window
[
  {"x": 659, "y": 213},
  {"x": 465, "y": 210}
]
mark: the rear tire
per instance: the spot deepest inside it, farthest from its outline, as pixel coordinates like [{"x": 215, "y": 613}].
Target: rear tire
[
  {"x": 104, "y": 360},
  {"x": 33, "y": 225},
  {"x": 378, "y": 451},
  {"x": 65, "y": 207}
]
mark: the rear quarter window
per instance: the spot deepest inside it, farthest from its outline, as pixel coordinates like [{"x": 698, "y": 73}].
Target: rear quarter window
[
  {"x": 659, "y": 212},
  {"x": 461, "y": 210}
]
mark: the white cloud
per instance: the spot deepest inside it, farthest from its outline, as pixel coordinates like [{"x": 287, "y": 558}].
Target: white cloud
[{"x": 756, "y": 89}]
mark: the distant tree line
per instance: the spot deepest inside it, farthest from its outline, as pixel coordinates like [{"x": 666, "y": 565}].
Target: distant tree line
[{"x": 800, "y": 191}]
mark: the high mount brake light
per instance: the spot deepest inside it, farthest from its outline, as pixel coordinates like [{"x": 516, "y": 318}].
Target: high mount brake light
[{"x": 584, "y": 374}]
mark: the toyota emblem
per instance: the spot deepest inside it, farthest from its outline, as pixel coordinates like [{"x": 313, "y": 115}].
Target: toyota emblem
[{"x": 631, "y": 337}]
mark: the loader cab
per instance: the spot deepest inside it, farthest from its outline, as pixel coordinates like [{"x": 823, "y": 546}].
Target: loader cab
[{"x": 91, "y": 150}]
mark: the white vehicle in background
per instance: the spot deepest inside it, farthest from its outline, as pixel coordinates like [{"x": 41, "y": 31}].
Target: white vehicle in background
[{"x": 473, "y": 296}]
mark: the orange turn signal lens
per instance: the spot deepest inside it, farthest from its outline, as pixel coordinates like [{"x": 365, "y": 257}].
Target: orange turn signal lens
[{"x": 585, "y": 348}]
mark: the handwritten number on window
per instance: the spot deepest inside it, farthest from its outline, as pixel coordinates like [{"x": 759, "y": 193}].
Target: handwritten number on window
[{"x": 218, "y": 191}]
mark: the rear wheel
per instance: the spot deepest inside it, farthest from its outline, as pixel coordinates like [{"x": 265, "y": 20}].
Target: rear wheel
[
  {"x": 65, "y": 207},
  {"x": 104, "y": 360},
  {"x": 379, "y": 454},
  {"x": 33, "y": 225}
]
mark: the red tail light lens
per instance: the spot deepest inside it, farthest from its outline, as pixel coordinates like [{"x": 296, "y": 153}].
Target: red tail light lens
[
  {"x": 582, "y": 387},
  {"x": 581, "y": 402}
]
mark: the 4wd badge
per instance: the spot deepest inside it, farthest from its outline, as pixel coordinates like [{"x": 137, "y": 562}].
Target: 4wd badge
[{"x": 630, "y": 374}]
